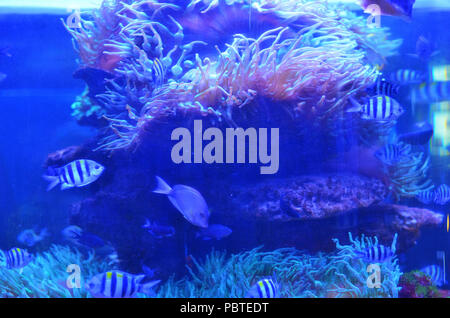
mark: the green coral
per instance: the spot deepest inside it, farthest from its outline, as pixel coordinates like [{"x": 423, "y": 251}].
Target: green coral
[
  {"x": 46, "y": 275},
  {"x": 299, "y": 274}
]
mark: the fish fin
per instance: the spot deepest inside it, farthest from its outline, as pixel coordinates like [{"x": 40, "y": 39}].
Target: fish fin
[
  {"x": 147, "y": 271},
  {"x": 162, "y": 186},
  {"x": 147, "y": 288},
  {"x": 357, "y": 107},
  {"x": 139, "y": 278},
  {"x": 65, "y": 186},
  {"x": 54, "y": 181}
]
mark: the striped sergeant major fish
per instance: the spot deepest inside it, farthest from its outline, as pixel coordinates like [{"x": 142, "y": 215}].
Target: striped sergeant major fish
[
  {"x": 431, "y": 92},
  {"x": 436, "y": 274},
  {"x": 376, "y": 254},
  {"x": 264, "y": 288},
  {"x": 383, "y": 87},
  {"x": 442, "y": 194},
  {"x": 392, "y": 153},
  {"x": 426, "y": 197},
  {"x": 406, "y": 77},
  {"x": 158, "y": 72},
  {"x": 118, "y": 284},
  {"x": 78, "y": 173},
  {"x": 379, "y": 107},
  {"x": 17, "y": 258}
]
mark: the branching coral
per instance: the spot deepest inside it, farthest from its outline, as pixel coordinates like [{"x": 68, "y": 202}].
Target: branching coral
[
  {"x": 47, "y": 274},
  {"x": 299, "y": 274}
]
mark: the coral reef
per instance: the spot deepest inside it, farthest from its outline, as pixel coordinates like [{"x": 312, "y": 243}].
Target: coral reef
[
  {"x": 263, "y": 209},
  {"x": 47, "y": 274},
  {"x": 299, "y": 274},
  {"x": 152, "y": 66},
  {"x": 308, "y": 197},
  {"x": 416, "y": 284}
]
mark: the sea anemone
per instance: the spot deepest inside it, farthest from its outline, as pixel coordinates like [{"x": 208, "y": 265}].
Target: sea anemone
[{"x": 309, "y": 62}]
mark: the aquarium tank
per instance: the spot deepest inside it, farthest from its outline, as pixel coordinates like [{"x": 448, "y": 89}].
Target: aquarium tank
[{"x": 224, "y": 149}]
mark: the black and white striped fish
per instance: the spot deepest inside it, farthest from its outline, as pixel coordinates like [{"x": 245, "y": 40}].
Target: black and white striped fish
[
  {"x": 406, "y": 76},
  {"x": 17, "y": 258},
  {"x": 264, "y": 288},
  {"x": 392, "y": 153},
  {"x": 442, "y": 194},
  {"x": 376, "y": 254},
  {"x": 431, "y": 92},
  {"x": 158, "y": 72},
  {"x": 78, "y": 173},
  {"x": 118, "y": 284},
  {"x": 383, "y": 87},
  {"x": 436, "y": 274},
  {"x": 379, "y": 107},
  {"x": 426, "y": 197}
]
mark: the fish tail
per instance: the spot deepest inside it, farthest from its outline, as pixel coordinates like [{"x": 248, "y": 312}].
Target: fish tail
[
  {"x": 162, "y": 186},
  {"x": 54, "y": 181},
  {"x": 356, "y": 106},
  {"x": 147, "y": 288}
]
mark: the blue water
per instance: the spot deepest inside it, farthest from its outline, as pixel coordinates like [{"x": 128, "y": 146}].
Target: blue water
[{"x": 36, "y": 120}]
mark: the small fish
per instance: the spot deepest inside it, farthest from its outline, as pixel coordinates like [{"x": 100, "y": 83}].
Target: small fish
[
  {"x": 118, "y": 284},
  {"x": 30, "y": 238},
  {"x": 78, "y": 173},
  {"x": 214, "y": 231},
  {"x": 426, "y": 197},
  {"x": 435, "y": 273},
  {"x": 379, "y": 107},
  {"x": 187, "y": 200},
  {"x": 421, "y": 135},
  {"x": 383, "y": 87},
  {"x": 158, "y": 72},
  {"x": 77, "y": 236},
  {"x": 396, "y": 8},
  {"x": 3, "y": 76},
  {"x": 424, "y": 49},
  {"x": 442, "y": 194},
  {"x": 264, "y": 288},
  {"x": 376, "y": 254},
  {"x": 17, "y": 258},
  {"x": 158, "y": 230},
  {"x": 392, "y": 153},
  {"x": 406, "y": 77},
  {"x": 431, "y": 92}
]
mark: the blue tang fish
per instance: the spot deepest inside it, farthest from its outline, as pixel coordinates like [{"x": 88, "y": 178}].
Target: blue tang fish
[{"x": 187, "y": 200}]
